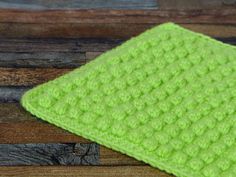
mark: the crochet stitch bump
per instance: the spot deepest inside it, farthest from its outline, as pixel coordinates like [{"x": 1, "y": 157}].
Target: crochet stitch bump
[{"x": 166, "y": 97}]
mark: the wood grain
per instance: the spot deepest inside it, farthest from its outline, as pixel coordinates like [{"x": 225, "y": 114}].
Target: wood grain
[
  {"x": 103, "y": 30},
  {"x": 19, "y": 126},
  {"x": 28, "y": 76},
  {"x": 77, "y": 45},
  {"x": 35, "y": 132},
  {"x": 109, "y": 157},
  {"x": 41, "y": 59},
  {"x": 12, "y": 94},
  {"x": 83, "y": 171},
  {"x": 49, "y": 154},
  {"x": 36, "y": 30},
  {"x": 203, "y": 16},
  {"x": 48, "y": 53},
  {"x": 92, "y": 45},
  {"x": 78, "y": 4}
]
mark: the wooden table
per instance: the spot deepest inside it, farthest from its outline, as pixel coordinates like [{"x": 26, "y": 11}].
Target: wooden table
[{"x": 45, "y": 39}]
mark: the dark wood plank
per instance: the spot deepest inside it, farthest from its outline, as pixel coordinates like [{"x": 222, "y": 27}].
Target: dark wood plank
[
  {"x": 203, "y": 16},
  {"x": 46, "y": 53},
  {"x": 42, "y": 59},
  {"x": 101, "y": 30},
  {"x": 49, "y": 154},
  {"x": 37, "y": 45},
  {"x": 19, "y": 126},
  {"x": 24, "y": 45},
  {"x": 12, "y": 94},
  {"x": 88, "y": 45},
  {"x": 231, "y": 40},
  {"x": 36, "y": 30},
  {"x": 28, "y": 76},
  {"x": 78, "y": 4},
  {"x": 83, "y": 171}
]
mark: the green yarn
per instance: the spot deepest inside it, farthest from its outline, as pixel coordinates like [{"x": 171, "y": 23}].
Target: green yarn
[{"x": 166, "y": 97}]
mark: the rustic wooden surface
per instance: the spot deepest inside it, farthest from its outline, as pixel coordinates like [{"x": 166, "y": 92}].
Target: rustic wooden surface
[
  {"x": 49, "y": 154},
  {"x": 22, "y": 127},
  {"x": 42, "y": 40},
  {"x": 95, "y": 23}
]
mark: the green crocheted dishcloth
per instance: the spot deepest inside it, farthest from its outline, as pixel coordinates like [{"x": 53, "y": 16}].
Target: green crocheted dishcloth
[{"x": 166, "y": 97}]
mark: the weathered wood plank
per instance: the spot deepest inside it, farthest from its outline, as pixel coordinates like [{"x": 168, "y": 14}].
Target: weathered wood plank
[
  {"x": 24, "y": 45},
  {"x": 36, "y": 30},
  {"x": 103, "y": 30},
  {"x": 83, "y": 171},
  {"x": 42, "y": 59},
  {"x": 36, "y": 45},
  {"x": 28, "y": 76},
  {"x": 82, "y": 45},
  {"x": 57, "y": 53},
  {"x": 203, "y": 16},
  {"x": 79, "y": 4},
  {"x": 12, "y": 94},
  {"x": 19, "y": 126},
  {"x": 49, "y": 154}
]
